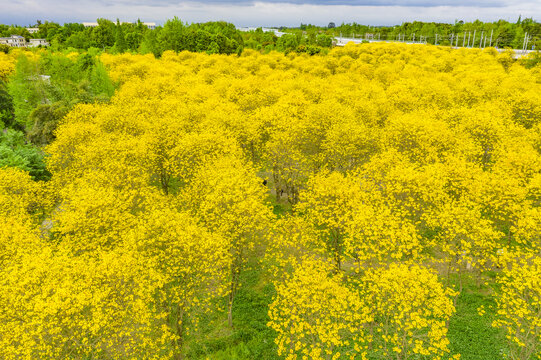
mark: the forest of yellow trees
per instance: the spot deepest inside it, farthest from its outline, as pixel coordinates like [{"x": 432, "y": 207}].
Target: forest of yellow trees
[{"x": 370, "y": 189}]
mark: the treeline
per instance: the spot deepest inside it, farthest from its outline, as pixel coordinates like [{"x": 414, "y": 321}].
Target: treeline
[
  {"x": 504, "y": 33},
  {"x": 223, "y": 38},
  {"x": 211, "y": 37},
  {"x": 42, "y": 89},
  {"x": 311, "y": 43}
]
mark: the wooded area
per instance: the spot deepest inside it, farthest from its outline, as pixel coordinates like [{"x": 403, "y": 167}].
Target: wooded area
[{"x": 380, "y": 201}]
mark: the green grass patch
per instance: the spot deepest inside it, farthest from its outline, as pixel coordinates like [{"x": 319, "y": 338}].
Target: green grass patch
[
  {"x": 250, "y": 338},
  {"x": 472, "y": 335}
]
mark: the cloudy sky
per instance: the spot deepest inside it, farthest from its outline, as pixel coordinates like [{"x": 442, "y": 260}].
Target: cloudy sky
[{"x": 268, "y": 12}]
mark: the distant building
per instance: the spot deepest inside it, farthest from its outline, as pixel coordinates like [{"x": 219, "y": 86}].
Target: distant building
[
  {"x": 20, "y": 41},
  {"x": 32, "y": 30},
  {"x": 150, "y": 25},
  {"x": 13, "y": 41},
  {"x": 38, "y": 42}
]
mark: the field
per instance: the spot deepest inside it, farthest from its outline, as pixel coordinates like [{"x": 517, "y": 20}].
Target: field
[{"x": 382, "y": 201}]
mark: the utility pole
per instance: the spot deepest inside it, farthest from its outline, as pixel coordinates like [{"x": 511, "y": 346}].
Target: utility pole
[
  {"x": 526, "y": 40},
  {"x": 481, "y": 40}
]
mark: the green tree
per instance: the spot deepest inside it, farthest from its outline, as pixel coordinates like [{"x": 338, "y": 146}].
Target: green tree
[
  {"x": 103, "y": 35},
  {"x": 14, "y": 152},
  {"x": 172, "y": 35},
  {"x": 46, "y": 119},
  {"x": 120, "y": 40}
]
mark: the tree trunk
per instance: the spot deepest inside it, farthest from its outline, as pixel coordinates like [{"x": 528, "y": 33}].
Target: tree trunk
[
  {"x": 178, "y": 329},
  {"x": 230, "y": 310},
  {"x": 235, "y": 273}
]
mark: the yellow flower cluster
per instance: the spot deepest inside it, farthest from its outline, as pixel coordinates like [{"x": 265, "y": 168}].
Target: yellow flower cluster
[
  {"x": 519, "y": 306},
  {"x": 7, "y": 66},
  {"x": 397, "y": 312},
  {"x": 317, "y": 317},
  {"x": 395, "y": 160}
]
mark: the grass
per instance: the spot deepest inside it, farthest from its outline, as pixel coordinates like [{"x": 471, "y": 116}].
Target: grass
[
  {"x": 250, "y": 338},
  {"x": 471, "y": 335}
]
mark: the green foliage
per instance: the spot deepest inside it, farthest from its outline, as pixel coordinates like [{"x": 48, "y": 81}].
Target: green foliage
[
  {"x": 103, "y": 35},
  {"x": 120, "y": 40},
  {"x": 45, "y": 119},
  {"x": 213, "y": 48},
  {"x": 532, "y": 60},
  {"x": 43, "y": 90},
  {"x": 15, "y": 152},
  {"x": 26, "y": 89},
  {"x": 502, "y": 33},
  {"x": 288, "y": 42},
  {"x": 471, "y": 334},
  {"x": 172, "y": 37},
  {"x": 149, "y": 44},
  {"x": 101, "y": 84},
  {"x": 212, "y": 37},
  {"x": 250, "y": 337},
  {"x": 324, "y": 40},
  {"x": 7, "y": 112}
]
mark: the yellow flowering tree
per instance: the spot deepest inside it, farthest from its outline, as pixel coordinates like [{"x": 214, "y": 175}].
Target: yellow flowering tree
[
  {"x": 192, "y": 266},
  {"x": 328, "y": 205},
  {"x": 519, "y": 306},
  {"x": 317, "y": 317},
  {"x": 228, "y": 199},
  {"x": 411, "y": 309}
]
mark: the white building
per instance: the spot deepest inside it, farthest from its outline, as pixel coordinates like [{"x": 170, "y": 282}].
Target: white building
[
  {"x": 150, "y": 25},
  {"x": 38, "y": 42},
  {"x": 275, "y": 31},
  {"x": 32, "y": 30},
  {"x": 14, "y": 41}
]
